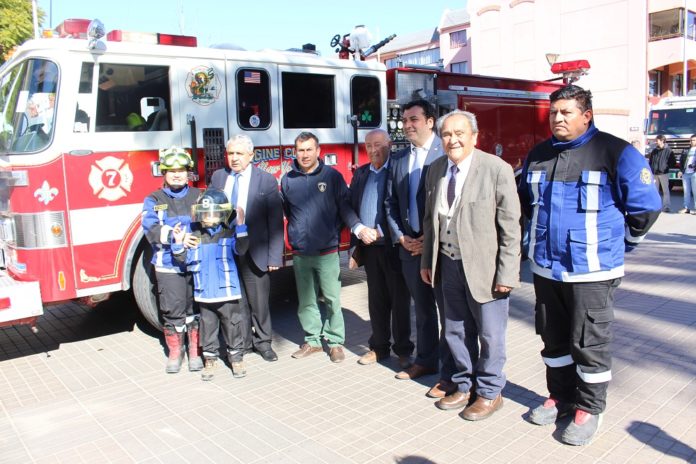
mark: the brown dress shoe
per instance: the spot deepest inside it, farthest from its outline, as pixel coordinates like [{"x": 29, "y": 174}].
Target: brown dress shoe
[
  {"x": 442, "y": 389},
  {"x": 336, "y": 354},
  {"x": 306, "y": 350},
  {"x": 456, "y": 400},
  {"x": 482, "y": 408},
  {"x": 415, "y": 371},
  {"x": 372, "y": 357}
]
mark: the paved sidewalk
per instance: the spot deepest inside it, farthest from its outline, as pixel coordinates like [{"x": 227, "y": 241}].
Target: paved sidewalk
[{"x": 90, "y": 387}]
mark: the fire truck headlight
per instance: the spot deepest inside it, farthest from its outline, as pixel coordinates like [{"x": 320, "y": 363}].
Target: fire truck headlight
[{"x": 57, "y": 230}]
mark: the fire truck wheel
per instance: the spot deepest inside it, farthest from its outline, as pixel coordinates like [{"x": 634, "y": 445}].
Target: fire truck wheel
[{"x": 145, "y": 290}]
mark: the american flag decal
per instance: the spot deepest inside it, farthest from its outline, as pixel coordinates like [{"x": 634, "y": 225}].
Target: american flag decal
[{"x": 252, "y": 77}]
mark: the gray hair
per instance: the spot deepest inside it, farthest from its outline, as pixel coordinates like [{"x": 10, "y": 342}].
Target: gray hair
[
  {"x": 243, "y": 140},
  {"x": 379, "y": 131},
  {"x": 471, "y": 117}
]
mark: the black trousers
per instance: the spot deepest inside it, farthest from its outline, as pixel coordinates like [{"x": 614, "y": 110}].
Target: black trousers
[
  {"x": 175, "y": 298},
  {"x": 389, "y": 302},
  {"x": 574, "y": 320},
  {"x": 257, "y": 287},
  {"x": 232, "y": 319}
]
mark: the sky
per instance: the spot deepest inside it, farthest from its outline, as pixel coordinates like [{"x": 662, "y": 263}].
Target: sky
[{"x": 256, "y": 24}]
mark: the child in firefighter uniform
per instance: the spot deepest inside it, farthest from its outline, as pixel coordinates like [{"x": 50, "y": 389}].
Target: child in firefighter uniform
[
  {"x": 164, "y": 211},
  {"x": 216, "y": 285}
]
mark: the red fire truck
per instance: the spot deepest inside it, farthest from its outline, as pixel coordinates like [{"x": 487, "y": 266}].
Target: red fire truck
[{"x": 83, "y": 121}]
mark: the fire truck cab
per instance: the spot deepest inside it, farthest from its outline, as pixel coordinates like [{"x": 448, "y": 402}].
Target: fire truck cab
[
  {"x": 83, "y": 122},
  {"x": 675, "y": 118}
]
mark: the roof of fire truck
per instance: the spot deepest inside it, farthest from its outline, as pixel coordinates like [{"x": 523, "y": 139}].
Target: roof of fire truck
[
  {"x": 688, "y": 101},
  {"x": 137, "y": 43}
]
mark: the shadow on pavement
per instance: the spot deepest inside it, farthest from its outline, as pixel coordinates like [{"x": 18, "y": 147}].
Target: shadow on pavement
[
  {"x": 71, "y": 322},
  {"x": 661, "y": 441}
]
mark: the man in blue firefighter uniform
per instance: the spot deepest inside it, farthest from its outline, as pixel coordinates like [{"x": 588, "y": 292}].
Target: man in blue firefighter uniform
[{"x": 588, "y": 197}]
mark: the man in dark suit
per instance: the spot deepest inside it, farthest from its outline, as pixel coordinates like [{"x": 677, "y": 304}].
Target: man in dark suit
[
  {"x": 387, "y": 295},
  {"x": 472, "y": 248},
  {"x": 405, "y": 205},
  {"x": 257, "y": 192}
]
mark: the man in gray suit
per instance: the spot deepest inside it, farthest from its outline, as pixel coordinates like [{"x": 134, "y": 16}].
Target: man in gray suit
[
  {"x": 405, "y": 205},
  {"x": 472, "y": 247}
]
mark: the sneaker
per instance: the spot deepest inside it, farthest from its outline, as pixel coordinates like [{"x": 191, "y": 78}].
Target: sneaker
[
  {"x": 208, "y": 369},
  {"x": 548, "y": 412},
  {"x": 306, "y": 350},
  {"x": 336, "y": 354},
  {"x": 583, "y": 428},
  {"x": 693, "y": 212},
  {"x": 683, "y": 211}
]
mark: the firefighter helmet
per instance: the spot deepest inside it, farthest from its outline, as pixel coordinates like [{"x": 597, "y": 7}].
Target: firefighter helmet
[
  {"x": 212, "y": 208},
  {"x": 175, "y": 158}
]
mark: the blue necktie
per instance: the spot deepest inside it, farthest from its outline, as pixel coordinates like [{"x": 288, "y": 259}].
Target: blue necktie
[
  {"x": 235, "y": 190},
  {"x": 452, "y": 185}
]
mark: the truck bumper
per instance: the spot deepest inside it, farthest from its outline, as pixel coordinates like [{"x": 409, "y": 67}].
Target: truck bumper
[{"x": 18, "y": 300}]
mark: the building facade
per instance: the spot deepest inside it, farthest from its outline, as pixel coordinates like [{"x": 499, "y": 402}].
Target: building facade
[
  {"x": 639, "y": 50},
  {"x": 447, "y": 45}
]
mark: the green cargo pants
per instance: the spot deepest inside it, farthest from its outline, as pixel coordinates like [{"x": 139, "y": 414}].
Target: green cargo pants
[{"x": 324, "y": 270}]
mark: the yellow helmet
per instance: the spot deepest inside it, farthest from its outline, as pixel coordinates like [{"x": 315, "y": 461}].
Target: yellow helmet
[{"x": 175, "y": 158}]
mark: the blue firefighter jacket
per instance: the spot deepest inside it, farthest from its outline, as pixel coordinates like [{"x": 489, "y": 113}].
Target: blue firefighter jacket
[
  {"x": 162, "y": 210},
  {"x": 215, "y": 275},
  {"x": 587, "y": 200}
]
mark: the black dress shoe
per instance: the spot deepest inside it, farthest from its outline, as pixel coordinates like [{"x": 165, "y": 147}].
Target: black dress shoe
[{"x": 269, "y": 355}]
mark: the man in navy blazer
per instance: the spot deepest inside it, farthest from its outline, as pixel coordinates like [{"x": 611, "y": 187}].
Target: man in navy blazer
[
  {"x": 256, "y": 191},
  {"x": 388, "y": 300},
  {"x": 405, "y": 206}
]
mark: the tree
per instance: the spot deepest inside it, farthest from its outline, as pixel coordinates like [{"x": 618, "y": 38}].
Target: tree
[{"x": 16, "y": 25}]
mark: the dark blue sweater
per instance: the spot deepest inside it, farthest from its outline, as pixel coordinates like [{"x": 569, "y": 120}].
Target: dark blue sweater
[{"x": 315, "y": 205}]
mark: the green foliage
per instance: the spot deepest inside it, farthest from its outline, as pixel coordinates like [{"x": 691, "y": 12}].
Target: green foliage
[{"x": 16, "y": 25}]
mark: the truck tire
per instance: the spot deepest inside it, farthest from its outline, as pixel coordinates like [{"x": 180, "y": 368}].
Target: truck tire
[{"x": 145, "y": 289}]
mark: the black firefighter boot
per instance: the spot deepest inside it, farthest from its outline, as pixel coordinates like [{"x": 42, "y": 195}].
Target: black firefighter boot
[
  {"x": 175, "y": 344},
  {"x": 195, "y": 362}
]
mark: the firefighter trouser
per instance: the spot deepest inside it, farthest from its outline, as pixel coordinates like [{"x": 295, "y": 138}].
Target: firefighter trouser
[
  {"x": 574, "y": 321},
  {"x": 175, "y": 298},
  {"x": 232, "y": 319}
]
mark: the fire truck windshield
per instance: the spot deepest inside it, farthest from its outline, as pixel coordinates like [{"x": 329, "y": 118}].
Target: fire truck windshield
[
  {"x": 676, "y": 121},
  {"x": 27, "y": 102}
]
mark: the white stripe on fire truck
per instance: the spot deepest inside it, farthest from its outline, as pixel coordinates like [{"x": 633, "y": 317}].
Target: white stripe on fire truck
[{"x": 105, "y": 224}]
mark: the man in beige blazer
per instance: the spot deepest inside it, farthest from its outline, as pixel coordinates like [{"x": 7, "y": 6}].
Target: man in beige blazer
[{"x": 472, "y": 247}]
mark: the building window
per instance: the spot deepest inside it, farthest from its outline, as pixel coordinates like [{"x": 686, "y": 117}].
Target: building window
[
  {"x": 462, "y": 67},
  {"x": 300, "y": 112},
  {"x": 666, "y": 24},
  {"x": 458, "y": 39},
  {"x": 675, "y": 84},
  {"x": 655, "y": 84},
  {"x": 425, "y": 57}
]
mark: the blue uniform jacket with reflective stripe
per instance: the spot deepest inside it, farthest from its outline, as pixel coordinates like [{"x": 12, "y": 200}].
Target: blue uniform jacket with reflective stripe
[
  {"x": 162, "y": 210},
  {"x": 587, "y": 201},
  {"x": 215, "y": 275}
]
